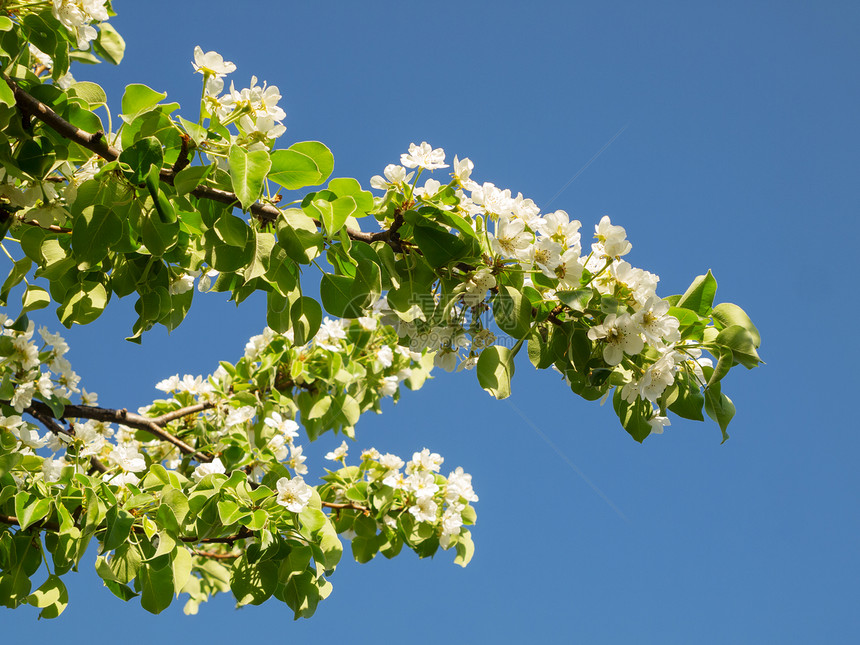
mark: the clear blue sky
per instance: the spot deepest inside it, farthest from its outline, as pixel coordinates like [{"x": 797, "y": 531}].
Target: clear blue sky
[{"x": 739, "y": 156}]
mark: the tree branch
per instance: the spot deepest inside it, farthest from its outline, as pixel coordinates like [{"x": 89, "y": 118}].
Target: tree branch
[
  {"x": 347, "y": 505},
  {"x": 96, "y": 142},
  {"x": 57, "y": 430},
  {"x": 124, "y": 417}
]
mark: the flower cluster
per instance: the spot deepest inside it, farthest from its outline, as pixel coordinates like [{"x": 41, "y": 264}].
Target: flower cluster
[
  {"x": 254, "y": 110},
  {"x": 418, "y": 489},
  {"x": 78, "y": 15},
  {"x": 547, "y": 249}
]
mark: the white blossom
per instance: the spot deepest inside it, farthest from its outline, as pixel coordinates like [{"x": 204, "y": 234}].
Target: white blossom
[
  {"x": 215, "y": 466},
  {"x": 424, "y": 156},
  {"x": 294, "y": 494},
  {"x": 211, "y": 63},
  {"x": 338, "y": 453}
]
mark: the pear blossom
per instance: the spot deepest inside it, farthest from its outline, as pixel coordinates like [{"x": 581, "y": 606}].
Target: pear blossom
[
  {"x": 385, "y": 356},
  {"x": 526, "y": 210},
  {"x": 460, "y": 485},
  {"x": 424, "y": 509},
  {"x": 655, "y": 324},
  {"x": 286, "y": 427},
  {"x": 658, "y": 423},
  {"x": 180, "y": 284},
  {"x": 620, "y": 336},
  {"x": 511, "y": 239},
  {"x": 238, "y": 416},
  {"x": 569, "y": 270},
  {"x": 329, "y": 332},
  {"x": 394, "y": 175},
  {"x": 294, "y": 494},
  {"x": 495, "y": 200},
  {"x": 546, "y": 254},
  {"x": 425, "y": 460},
  {"x": 462, "y": 171},
  {"x": 213, "y": 467},
  {"x": 389, "y": 386},
  {"x": 558, "y": 226},
  {"x": 168, "y": 385},
  {"x": 424, "y": 156},
  {"x": 127, "y": 458},
  {"x": 76, "y": 16},
  {"x": 612, "y": 239},
  {"x": 297, "y": 460},
  {"x": 338, "y": 453},
  {"x": 211, "y": 63}
]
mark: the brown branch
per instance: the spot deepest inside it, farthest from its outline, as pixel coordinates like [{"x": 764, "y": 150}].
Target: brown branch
[
  {"x": 42, "y": 524},
  {"x": 57, "y": 430},
  {"x": 95, "y": 142},
  {"x": 215, "y": 555},
  {"x": 32, "y": 106},
  {"x": 167, "y": 417},
  {"x": 53, "y": 228},
  {"x": 182, "y": 160},
  {"x": 347, "y": 505},
  {"x": 123, "y": 417}
]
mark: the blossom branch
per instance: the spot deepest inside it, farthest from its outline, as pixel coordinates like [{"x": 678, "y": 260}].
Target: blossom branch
[
  {"x": 57, "y": 430},
  {"x": 96, "y": 142},
  {"x": 124, "y": 417}
]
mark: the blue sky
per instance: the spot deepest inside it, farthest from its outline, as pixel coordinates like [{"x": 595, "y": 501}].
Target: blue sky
[{"x": 738, "y": 154}]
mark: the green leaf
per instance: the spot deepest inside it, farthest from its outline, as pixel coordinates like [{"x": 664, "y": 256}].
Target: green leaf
[
  {"x": 742, "y": 344},
  {"x": 465, "y": 549},
  {"x": 51, "y": 597},
  {"x": 577, "y": 299},
  {"x": 30, "y": 508},
  {"x": 512, "y": 312},
  {"x": 689, "y": 401},
  {"x": 8, "y": 462},
  {"x": 634, "y": 416},
  {"x": 306, "y": 316},
  {"x": 232, "y": 230},
  {"x": 439, "y": 247},
  {"x": 190, "y": 178},
  {"x": 83, "y": 304},
  {"x": 307, "y": 163},
  {"x": 348, "y": 187},
  {"x": 247, "y": 174},
  {"x": 7, "y": 96},
  {"x": 16, "y": 274},
  {"x": 141, "y": 157},
  {"x": 253, "y": 583},
  {"x": 92, "y": 93},
  {"x": 119, "y": 523},
  {"x": 36, "y": 157},
  {"x": 109, "y": 45},
  {"x": 6, "y": 24},
  {"x": 332, "y": 214},
  {"x": 495, "y": 370},
  {"x": 158, "y": 237},
  {"x": 156, "y": 587},
  {"x": 699, "y": 296},
  {"x": 720, "y": 408},
  {"x": 95, "y": 231},
  {"x": 138, "y": 98},
  {"x": 125, "y": 562},
  {"x": 728, "y": 314},
  {"x": 336, "y": 296}
]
